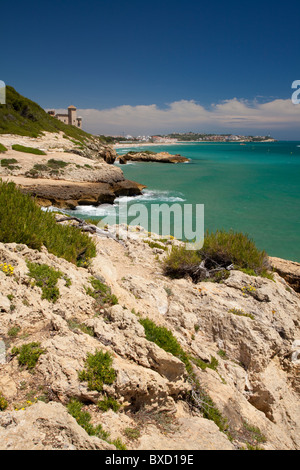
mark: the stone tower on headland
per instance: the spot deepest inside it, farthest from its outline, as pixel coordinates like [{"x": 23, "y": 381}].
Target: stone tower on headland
[{"x": 69, "y": 118}]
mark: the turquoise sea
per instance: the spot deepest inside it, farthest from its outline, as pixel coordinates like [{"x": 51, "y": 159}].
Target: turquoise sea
[{"x": 253, "y": 188}]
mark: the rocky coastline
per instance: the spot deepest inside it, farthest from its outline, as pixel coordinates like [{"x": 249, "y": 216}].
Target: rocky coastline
[
  {"x": 148, "y": 156},
  {"x": 234, "y": 383},
  {"x": 68, "y": 173},
  {"x": 248, "y": 364}
]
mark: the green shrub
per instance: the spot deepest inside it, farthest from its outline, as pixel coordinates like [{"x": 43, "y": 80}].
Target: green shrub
[
  {"x": 22, "y": 221},
  {"x": 165, "y": 339},
  {"x": 21, "y": 148},
  {"x": 13, "y": 331},
  {"x": 181, "y": 262},
  {"x": 40, "y": 167},
  {"x": 83, "y": 418},
  {"x": 225, "y": 248},
  {"x": 46, "y": 278},
  {"x": 2, "y": 148},
  {"x": 108, "y": 403},
  {"x": 57, "y": 164},
  {"x": 213, "y": 364},
  {"x": 101, "y": 293},
  {"x": 3, "y": 403},
  {"x": 98, "y": 371},
  {"x": 8, "y": 162},
  {"x": 28, "y": 354},
  {"x": 132, "y": 433},
  {"x": 220, "y": 250},
  {"x": 210, "y": 411}
]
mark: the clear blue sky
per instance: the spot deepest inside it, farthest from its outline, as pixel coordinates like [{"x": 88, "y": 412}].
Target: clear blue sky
[{"x": 104, "y": 54}]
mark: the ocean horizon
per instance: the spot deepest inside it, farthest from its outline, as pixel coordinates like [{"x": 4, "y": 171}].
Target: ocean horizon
[{"x": 251, "y": 188}]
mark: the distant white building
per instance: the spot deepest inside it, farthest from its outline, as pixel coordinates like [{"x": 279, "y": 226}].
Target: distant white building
[{"x": 71, "y": 119}]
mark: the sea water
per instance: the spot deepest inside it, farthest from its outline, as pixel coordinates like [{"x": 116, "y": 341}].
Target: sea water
[{"x": 252, "y": 188}]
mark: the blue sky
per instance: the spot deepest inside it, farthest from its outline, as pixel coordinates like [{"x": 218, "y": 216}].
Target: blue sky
[{"x": 106, "y": 55}]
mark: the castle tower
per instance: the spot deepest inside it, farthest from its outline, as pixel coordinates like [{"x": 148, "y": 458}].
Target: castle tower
[{"x": 72, "y": 116}]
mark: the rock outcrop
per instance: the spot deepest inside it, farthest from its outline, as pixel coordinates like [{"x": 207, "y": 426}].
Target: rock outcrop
[
  {"x": 45, "y": 427},
  {"x": 69, "y": 194},
  {"x": 245, "y": 345},
  {"x": 289, "y": 270},
  {"x": 161, "y": 157}
]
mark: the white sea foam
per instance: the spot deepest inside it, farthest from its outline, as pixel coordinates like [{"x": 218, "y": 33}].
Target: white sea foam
[
  {"x": 148, "y": 196},
  {"x": 152, "y": 195}
]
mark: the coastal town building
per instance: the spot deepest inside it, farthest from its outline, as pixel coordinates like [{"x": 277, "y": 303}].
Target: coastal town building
[{"x": 69, "y": 118}]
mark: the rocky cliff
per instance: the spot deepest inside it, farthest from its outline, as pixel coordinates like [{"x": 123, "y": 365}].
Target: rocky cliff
[
  {"x": 241, "y": 337},
  {"x": 65, "y": 173}
]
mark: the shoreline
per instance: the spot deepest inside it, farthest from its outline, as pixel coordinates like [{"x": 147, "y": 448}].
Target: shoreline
[{"x": 160, "y": 144}]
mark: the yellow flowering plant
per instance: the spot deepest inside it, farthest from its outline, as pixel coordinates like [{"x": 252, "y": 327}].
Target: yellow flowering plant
[{"x": 7, "y": 269}]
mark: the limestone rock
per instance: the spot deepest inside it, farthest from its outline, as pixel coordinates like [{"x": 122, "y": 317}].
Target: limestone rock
[
  {"x": 45, "y": 427},
  {"x": 161, "y": 157},
  {"x": 242, "y": 336}
]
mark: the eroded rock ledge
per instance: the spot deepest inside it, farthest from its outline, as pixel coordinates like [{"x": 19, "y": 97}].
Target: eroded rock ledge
[
  {"x": 69, "y": 194},
  {"x": 161, "y": 157}
]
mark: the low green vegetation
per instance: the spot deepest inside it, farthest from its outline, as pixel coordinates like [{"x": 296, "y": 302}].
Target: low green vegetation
[
  {"x": 147, "y": 152},
  {"x": 101, "y": 293},
  {"x": 13, "y": 331},
  {"x": 167, "y": 341},
  {"x": 213, "y": 364},
  {"x": 46, "y": 278},
  {"x": 154, "y": 244},
  {"x": 57, "y": 164},
  {"x": 181, "y": 262},
  {"x": 28, "y": 354},
  {"x": 108, "y": 403},
  {"x": 3, "y": 403},
  {"x": 22, "y": 221},
  {"x": 21, "y": 148},
  {"x": 241, "y": 313},
  {"x": 225, "y": 248},
  {"x": 220, "y": 250},
  {"x": 76, "y": 325},
  {"x": 252, "y": 436},
  {"x": 132, "y": 433},
  {"x": 83, "y": 418},
  {"x": 2, "y": 148},
  {"x": 52, "y": 167},
  {"x": 98, "y": 371},
  {"x": 8, "y": 162}
]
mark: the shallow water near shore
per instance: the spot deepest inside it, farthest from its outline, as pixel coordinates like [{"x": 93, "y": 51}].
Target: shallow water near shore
[{"x": 253, "y": 188}]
